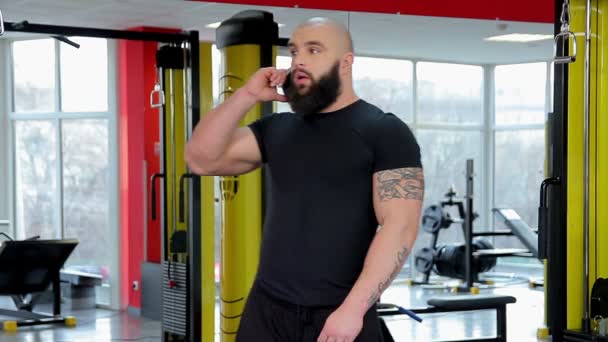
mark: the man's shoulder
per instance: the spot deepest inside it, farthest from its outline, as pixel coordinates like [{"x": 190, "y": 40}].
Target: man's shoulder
[
  {"x": 370, "y": 117},
  {"x": 276, "y": 117}
]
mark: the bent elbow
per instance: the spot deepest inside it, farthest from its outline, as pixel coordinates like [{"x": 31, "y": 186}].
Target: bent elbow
[{"x": 198, "y": 162}]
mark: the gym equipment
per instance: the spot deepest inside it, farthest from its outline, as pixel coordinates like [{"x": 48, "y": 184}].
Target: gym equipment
[
  {"x": 80, "y": 286},
  {"x": 450, "y": 260},
  {"x": 176, "y": 99},
  {"x": 587, "y": 105},
  {"x": 585, "y": 333},
  {"x": 383, "y": 307},
  {"x": 543, "y": 218},
  {"x": 476, "y": 255},
  {"x": 564, "y": 36},
  {"x": 182, "y": 199},
  {"x": 435, "y": 218},
  {"x": 599, "y": 298},
  {"x": 178, "y": 309},
  {"x": 557, "y": 307},
  {"x": 27, "y": 269},
  {"x": 459, "y": 303},
  {"x": 153, "y": 179},
  {"x": 246, "y": 42},
  {"x": 206, "y": 203},
  {"x": 520, "y": 229},
  {"x": 586, "y": 167}
]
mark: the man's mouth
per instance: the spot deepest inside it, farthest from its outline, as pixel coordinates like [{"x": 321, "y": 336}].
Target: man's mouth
[{"x": 301, "y": 77}]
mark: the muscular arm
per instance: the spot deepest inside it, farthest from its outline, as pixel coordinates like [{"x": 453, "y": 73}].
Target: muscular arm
[
  {"x": 217, "y": 145},
  {"x": 398, "y": 196}
]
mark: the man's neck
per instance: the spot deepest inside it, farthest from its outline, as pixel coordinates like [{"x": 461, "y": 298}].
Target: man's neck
[{"x": 345, "y": 99}]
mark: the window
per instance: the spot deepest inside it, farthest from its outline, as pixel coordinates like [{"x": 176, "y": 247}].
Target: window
[
  {"x": 387, "y": 83},
  {"x": 518, "y": 101},
  {"x": 36, "y": 179},
  {"x": 62, "y": 158},
  {"x": 34, "y": 76},
  {"x": 449, "y": 93},
  {"x": 517, "y": 180},
  {"x": 86, "y": 199},
  {"x": 520, "y": 113},
  {"x": 84, "y": 76},
  {"x": 449, "y": 129},
  {"x": 444, "y": 155}
]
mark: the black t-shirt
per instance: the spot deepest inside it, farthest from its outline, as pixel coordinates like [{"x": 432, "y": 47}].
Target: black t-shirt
[{"x": 320, "y": 219}]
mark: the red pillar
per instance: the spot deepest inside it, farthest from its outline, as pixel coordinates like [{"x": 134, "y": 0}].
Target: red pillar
[{"x": 138, "y": 136}]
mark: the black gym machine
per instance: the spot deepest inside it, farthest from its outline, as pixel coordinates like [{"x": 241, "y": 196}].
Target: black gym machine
[{"x": 476, "y": 254}]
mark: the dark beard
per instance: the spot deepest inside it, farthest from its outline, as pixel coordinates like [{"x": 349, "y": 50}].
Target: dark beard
[{"x": 320, "y": 95}]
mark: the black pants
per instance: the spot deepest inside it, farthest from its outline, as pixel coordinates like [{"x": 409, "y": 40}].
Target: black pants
[{"x": 267, "y": 319}]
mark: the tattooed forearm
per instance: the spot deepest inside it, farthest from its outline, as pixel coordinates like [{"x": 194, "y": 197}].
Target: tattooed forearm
[
  {"x": 383, "y": 285},
  {"x": 407, "y": 183}
]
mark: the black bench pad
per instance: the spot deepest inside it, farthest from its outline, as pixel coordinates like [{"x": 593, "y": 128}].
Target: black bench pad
[{"x": 470, "y": 302}]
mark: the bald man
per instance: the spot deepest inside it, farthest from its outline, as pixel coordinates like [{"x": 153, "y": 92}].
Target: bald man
[{"x": 346, "y": 191}]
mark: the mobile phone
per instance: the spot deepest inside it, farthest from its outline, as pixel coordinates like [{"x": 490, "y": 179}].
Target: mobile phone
[{"x": 287, "y": 84}]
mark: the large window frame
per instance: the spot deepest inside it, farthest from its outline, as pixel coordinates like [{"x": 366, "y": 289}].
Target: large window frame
[{"x": 57, "y": 117}]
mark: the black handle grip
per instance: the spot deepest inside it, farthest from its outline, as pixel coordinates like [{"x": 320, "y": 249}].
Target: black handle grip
[
  {"x": 181, "y": 195},
  {"x": 153, "y": 203},
  {"x": 153, "y": 193},
  {"x": 181, "y": 205},
  {"x": 543, "y": 218}
]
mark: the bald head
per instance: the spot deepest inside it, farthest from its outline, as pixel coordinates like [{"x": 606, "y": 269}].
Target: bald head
[
  {"x": 322, "y": 56},
  {"x": 342, "y": 37}
]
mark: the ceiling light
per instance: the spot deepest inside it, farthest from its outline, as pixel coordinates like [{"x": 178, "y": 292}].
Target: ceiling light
[
  {"x": 519, "y": 38},
  {"x": 216, "y": 25}
]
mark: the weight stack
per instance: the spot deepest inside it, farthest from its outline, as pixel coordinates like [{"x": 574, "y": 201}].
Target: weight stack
[{"x": 175, "y": 313}]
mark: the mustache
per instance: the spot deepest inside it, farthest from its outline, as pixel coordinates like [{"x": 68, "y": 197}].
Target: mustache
[{"x": 293, "y": 72}]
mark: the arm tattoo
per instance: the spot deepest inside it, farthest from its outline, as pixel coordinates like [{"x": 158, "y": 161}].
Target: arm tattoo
[
  {"x": 383, "y": 285},
  {"x": 407, "y": 183}
]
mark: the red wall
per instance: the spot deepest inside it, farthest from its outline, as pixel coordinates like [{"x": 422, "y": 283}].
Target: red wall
[
  {"x": 138, "y": 134},
  {"x": 131, "y": 155},
  {"x": 540, "y": 11}
]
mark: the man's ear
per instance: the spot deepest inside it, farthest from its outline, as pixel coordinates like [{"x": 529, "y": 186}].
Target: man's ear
[{"x": 347, "y": 61}]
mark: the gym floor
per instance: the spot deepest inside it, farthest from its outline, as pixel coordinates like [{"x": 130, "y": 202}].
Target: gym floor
[{"x": 524, "y": 317}]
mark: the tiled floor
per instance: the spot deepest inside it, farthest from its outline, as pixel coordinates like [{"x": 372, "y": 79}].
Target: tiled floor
[{"x": 524, "y": 318}]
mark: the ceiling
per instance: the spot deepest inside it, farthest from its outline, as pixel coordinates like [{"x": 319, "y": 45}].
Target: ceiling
[
  {"x": 538, "y": 11},
  {"x": 390, "y": 35}
]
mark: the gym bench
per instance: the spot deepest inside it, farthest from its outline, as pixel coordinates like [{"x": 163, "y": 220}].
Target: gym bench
[
  {"x": 27, "y": 269},
  {"x": 458, "y": 303}
]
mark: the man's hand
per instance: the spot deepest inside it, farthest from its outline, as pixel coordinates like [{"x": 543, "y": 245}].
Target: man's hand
[
  {"x": 263, "y": 84},
  {"x": 343, "y": 325}
]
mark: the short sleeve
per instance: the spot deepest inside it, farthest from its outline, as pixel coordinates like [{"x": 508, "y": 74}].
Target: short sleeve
[
  {"x": 260, "y": 129},
  {"x": 395, "y": 145}
]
